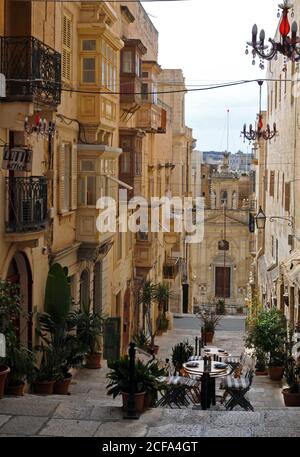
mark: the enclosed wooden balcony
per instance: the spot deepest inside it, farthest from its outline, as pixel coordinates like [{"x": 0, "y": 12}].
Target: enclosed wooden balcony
[
  {"x": 151, "y": 118},
  {"x": 171, "y": 269},
  {"x": 145, "y": 251}
]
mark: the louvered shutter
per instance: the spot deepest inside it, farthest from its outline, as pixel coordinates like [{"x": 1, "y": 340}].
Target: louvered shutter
[
  {"x": 287, "y": 196},
  {"x": 66, "y": 48},
  {"x": 61, "y": 178},
  {"x": 74, "y": 178}
]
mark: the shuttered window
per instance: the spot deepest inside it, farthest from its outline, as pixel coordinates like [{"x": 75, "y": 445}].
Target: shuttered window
[
  {"x": 287, "y": 196},
  {"x": 66, "y": 48},
  {"x": 272, "y": 183},
  {"x": 67, "y": 178}
]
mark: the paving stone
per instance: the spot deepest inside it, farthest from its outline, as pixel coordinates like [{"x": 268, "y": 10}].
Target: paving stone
[
  {"x": 21, "y": 425},
  {"x": 69, "y": 428},
  {"x": 106, "y": 413},
  {"x": 184, "y": 416},
  {"x": 239, "y": 418},
  {"x": 276, "y": 432},
  {"x": 126, "y": 429},
  {"x": 228, "y": 432},
  {"x": 28, "y": 406},
  {"x": 71, "y": 411},
  {"x": 176, "y": 430},
  {"x": 283, "y": 417},
  {"x": 3, "y": 419}
]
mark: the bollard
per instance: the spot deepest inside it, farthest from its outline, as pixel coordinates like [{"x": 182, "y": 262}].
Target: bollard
[
  {"x": 196, "y": 345},
  {"x": 131, "y": 411}
]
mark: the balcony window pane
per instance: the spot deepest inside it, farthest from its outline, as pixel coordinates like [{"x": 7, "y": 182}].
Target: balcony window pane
[
  {"x": 91, "y": 190},
  {"x": 89, "y": 45},
  {"x": 87, "y": 165},
  {"x": 125, "y": 162},
  {"x": 89, "y": 70},
  {"x": 144, "y": 91},
  {"x": 67, "y": 176},
  {"x": 127, "y": 62},
  {"x": 138, "y": 163},
  {"x": 82, "y": 192}
]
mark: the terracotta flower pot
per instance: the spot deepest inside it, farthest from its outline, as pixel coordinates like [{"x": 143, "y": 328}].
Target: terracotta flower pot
[
  {"x": 291, "y": 400},
  {"x": 261, "y": 373},
  {"x": 17, "y": 391},
  {"x": 43, "y": 387},
  {"x": 4, "y": 371},
  {"x": 208, "y": 337},
  {"x": 276, "y": 373},
  {"x": 139, "y": 400},
  {"x": 62, "y": 387},
  {"x": 93, "y": 361},
  {"x": 150, "y": 399}
]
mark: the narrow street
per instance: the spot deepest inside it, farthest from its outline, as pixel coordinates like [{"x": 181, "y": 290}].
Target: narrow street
[{"x": 89, "y": 412}]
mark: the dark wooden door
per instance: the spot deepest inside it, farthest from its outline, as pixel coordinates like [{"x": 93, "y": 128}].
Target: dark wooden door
[
  {"x": 111, "y": 346},
  {"x": 223, "y": 277}
]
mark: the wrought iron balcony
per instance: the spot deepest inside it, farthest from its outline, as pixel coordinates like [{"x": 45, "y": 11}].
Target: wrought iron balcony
[
  {"x": 32, "y": 70},
  {"x": 26, "y": 204}
]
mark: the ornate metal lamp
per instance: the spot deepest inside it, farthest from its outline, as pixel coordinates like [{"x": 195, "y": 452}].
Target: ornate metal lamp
[
  {"x": 259, "y": 132},
  {"x": 40, "y": 126},
  {"x": 288, "y": 46}
]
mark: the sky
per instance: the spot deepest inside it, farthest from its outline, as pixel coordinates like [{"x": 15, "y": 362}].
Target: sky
[{"x": 207, "y": 39}]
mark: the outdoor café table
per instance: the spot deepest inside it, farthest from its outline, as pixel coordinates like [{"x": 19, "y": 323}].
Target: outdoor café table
[{"x": 208, "y": 380}]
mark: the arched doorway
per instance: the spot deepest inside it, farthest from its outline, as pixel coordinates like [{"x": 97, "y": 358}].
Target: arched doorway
[
  {"x": 126, "y": 320},
  {"x": 19, "y": 272}
]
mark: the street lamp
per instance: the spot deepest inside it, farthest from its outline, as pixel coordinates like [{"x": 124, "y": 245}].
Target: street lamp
[{"x": 261, "y": 219}]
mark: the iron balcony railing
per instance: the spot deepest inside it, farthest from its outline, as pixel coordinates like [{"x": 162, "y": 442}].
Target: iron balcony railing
[
  {"x": 32, "y": 70},
  {"x": 26, "y": 204}
]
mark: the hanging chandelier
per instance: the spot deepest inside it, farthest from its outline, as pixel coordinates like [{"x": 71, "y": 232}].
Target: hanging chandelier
[
  {"x": 288, "y": 46},
  {"x": 259, "y": 132},
  {"x": 40, "y": 126}
]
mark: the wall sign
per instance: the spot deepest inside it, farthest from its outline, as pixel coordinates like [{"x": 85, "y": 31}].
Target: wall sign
[{"x": 17, "y": 159}]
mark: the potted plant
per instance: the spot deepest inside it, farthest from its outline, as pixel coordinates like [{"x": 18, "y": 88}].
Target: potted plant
[
  {"x": 152, "y": 388},
  {"x": 210, "y": 320},
  {"x": 291, "y": 395},
  {"x": 120, "y": 384},
  {"x": 89, "y": 331},
  {"x": 46, "y": 373},
  {"x": 261, "y": 363},
  {"x": 10, "y": 310},
  {"x": 180, "y": 354},
  {"x": 268, "y": 335},
  {"x": 57, "y": 327},
  {"x": 162, "y": 297},
  {"x": 220, "y": 308},
  {"x": 141, "y": 340},
  {"x": 147, "y": 297},
  {"x": 21, "y": 362}
]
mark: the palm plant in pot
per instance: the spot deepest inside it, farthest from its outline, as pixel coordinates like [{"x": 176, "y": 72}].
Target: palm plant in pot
[
  {"x": 10, "y": 310},
  {"x": 180, "y": 354},
  {"x": 120, "y": 383},
  {"x": 21, "y": 362},
  {"x": 47, "y": 371},
  {"x": 141, "y": 340},
  {"x": 210, "y": 319},
  {"x": 291, "y": 395},
  {"x": 162, "y": 297},
  {"x": 89, "y": 331},
  {"x": 147, "y": 298}
]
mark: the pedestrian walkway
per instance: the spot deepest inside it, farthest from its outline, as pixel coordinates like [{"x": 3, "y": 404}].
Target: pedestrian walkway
[{"x": 88, "y": 411}]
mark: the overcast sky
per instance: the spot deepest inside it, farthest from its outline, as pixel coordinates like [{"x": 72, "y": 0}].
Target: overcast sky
[{"x": 207, "y": 39}]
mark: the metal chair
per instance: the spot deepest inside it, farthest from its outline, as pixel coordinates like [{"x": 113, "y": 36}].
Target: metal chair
[{"x": 237, "y": 389}]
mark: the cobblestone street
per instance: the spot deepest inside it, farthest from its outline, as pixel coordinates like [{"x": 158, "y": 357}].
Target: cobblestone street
[{"x": 88, "y": 411}]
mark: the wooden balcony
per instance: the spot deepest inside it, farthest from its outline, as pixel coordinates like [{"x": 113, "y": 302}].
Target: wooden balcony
[
  {"x": 144, "y": 254},
  {"x": 151, "y": 118},
  {"x": 171, "y": 269}
]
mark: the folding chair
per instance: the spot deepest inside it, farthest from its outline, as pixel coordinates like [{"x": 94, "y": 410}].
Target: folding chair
[
  {"x": 237, "y": 389},
  {"x": 177, "y": 392}
]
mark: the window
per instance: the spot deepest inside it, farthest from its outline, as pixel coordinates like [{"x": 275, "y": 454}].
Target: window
[
  {"x": 66, "y": 48},
  {"x": 144, "y": 91},
  {"x": 87, "y": 183},
  {"x": 213, "y": 200},
  {"x": 224, "y": 197},
  {"x": 234, "y": 200},
  {"x": 89, "y": 45},
  {"x": 67, "y": 176},
  {"x": 125, "y": 162},
  {"x": 272, "y": 183},
  {"x": 138, "y": 163},
  {"x": 142, "y": 236},
  {"x": 119, "y": 245},
  {"x": 127, "y": 62},
  {"x": 89, "y": 70},
  {"x": 84, "y": 288},
  {"x": 287, "y": 196},
  {"x": 108, "y": 66}
]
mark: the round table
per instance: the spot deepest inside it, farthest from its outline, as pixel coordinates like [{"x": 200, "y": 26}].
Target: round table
[{"x": 208, "y": 380}]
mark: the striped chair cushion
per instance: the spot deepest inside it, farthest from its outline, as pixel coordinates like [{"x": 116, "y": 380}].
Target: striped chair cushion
[
  {"x": 195, "y": 358},
  {"x": 178, "y": 380},
  {"x": 235, "y": 383}
]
